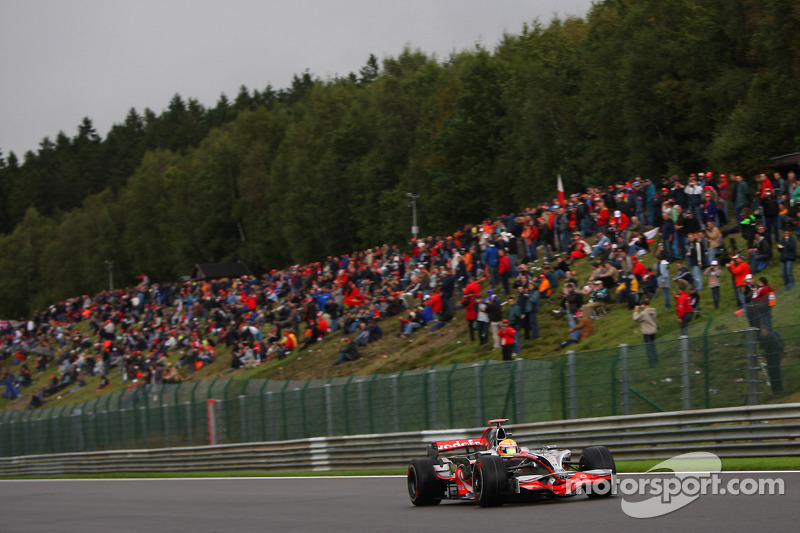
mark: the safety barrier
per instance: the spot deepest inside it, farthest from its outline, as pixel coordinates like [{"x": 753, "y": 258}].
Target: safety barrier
[{"x": 752, "y": 431}]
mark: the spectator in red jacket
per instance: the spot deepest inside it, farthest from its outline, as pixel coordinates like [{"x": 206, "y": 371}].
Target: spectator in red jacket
[
  {"x": 740, "y": 269},
  {"x": 683, "y": 308},
  {"x": 621, "y": 221},
  {"x": 473, "y": 287},
  {"x": 602, "y": 217},
  {"x": 470, "y": 303},
  {"x": 507, "y": 336},
  {"x": 436, "y": 303},
  {"x": 764, "y": 185},
  {"x": 504, "y": 270}
]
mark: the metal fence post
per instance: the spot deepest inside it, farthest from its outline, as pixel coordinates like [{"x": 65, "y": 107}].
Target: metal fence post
[
  {"x": 431, "y": 400},
  {"x": 572, "y": 389},
  {"x": 263, "y": 413},
  {"x": 243, "y": 417},
  {"x": 165, "y": 420},
  {"x": 24, "y": 431},
  {"x": 346, "y": 398},
  {"x": 372, "y": 403},
  {"x": 753, "y": 368},
  {"x": 303, "y": 417},
  {"x": 478, "y": 394},
  {"x": 519, "y": 390},
  {"x": 396, "y": 401},
  {"x": 227, "y": 414},
  {"x": 106, "y": 414},
  {"x": 123, "y": 431},
  {"x": 450, "y": 409},
  {"x": 283, "y": 410},
  {"x": 144, "y": 426},
  {"x": 328, "y": 408},
  {"x": 270, "y": 409},
  {"x": 706, "y": 365},
  {"x": 686, "y": 392},
  {"x": 625, "y": 379},
  {"x": 189, "y": 423},
  {"x": 40, "y": 435}
]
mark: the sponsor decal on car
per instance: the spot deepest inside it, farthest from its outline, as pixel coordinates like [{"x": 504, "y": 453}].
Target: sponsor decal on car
[{"x": 459, "y": 443}]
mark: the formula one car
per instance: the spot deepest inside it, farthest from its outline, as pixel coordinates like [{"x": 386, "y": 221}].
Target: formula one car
[{"x": 493, "y": 470}]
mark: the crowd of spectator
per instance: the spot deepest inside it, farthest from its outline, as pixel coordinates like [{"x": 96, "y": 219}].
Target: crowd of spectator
[{"x": 133, "y": 330}]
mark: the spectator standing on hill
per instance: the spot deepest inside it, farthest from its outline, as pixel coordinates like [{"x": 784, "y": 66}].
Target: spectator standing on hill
[
  {"x": 482, "y": 321},
  {"x": 646, "y": 317},
  {"x": 748, "y": 290},
  {"x": 696, "y": 256},
  {"x": 667, "y": 236},
  {"x": 531, "y": 309},
  {"x": 504, "y": 270},
  {"x": 436, "y": 303},
  {"x": 491, "y": 257},
  {"x": 495, "y": 313},
  {"x": 713, "y": 274},
  {"x": 788, "y": 254},
  {"x": 770, "y": 211},
  {"x": 507, "y": 336},
  {"x": 740, "y": 270},
  {"x": 761, "y": 253},
  {"x": 714, "y": 237},
  {"x": 473, "y": 287},
  {"x": 760, "y": 307},
  {"x": 709, "y": 209},
  {"x": 469, "y": 301},
  {"x": 602, "y": 217},
  {"x": 663, "y": 278},
  {"x": 447, "y": 286},
  {"x": 514, "y": 318},
  {"x": 683, "y": 308},
  {"x": 764, "y": 185},
  {"x": 740, "y": 196}
]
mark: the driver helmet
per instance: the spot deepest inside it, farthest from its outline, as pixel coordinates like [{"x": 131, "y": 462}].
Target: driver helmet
[{"x": 507, "y": 447}]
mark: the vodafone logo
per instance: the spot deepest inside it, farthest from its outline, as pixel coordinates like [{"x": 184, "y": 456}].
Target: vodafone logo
[{"x": 452, "y": 444}]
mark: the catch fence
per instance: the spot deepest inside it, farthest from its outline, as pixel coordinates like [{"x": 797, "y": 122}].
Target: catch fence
[{"x": 709, "y": 371}]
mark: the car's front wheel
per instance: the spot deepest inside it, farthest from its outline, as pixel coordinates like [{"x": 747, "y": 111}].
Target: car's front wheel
[
  {"x": 594, "y": 458},
  {"x": 424, "y": 488},
  {"x": 489, "y": 480}
]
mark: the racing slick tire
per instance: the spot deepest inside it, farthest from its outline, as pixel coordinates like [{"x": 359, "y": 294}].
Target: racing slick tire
[
  {"x": 489, "y": 480},
  {"x": 424, "y": 488},
  {"x": 598, "y": 457}
]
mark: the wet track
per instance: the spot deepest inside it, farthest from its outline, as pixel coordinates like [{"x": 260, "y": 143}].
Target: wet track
[{"x": 351, "y": 504}]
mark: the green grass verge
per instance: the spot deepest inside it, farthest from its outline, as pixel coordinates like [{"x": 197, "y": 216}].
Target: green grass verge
[{"x": 728, "y": 464}]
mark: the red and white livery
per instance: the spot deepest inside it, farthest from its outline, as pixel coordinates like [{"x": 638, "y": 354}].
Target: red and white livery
[{"x": 493, "y": 469}]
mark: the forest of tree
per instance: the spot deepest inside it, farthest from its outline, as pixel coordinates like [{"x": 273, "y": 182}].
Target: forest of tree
[{"x": 274, "y": 177}]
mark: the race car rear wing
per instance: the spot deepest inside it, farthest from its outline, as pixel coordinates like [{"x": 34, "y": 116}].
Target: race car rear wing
[{"x": 465, "y": 445}]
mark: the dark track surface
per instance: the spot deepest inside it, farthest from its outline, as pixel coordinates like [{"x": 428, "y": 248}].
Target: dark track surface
[{"x": 351, "y": 504}]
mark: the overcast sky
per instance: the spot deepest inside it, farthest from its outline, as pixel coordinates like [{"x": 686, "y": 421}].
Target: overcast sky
[{"x": 62, "y": 60}]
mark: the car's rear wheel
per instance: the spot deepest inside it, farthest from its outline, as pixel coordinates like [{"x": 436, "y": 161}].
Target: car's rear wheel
[
  {"x": 594, "y": 458},
  {"x": 489, "y": 480},
  {"x": 424, "y": 488}
]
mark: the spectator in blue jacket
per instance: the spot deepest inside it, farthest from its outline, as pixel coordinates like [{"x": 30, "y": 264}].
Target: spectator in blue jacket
[
  {"x": 491, "y": 257},
  {"x": 788, "y": 250}
]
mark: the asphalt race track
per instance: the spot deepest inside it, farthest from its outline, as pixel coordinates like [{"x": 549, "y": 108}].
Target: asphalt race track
[{"x": 353, "y": 504}]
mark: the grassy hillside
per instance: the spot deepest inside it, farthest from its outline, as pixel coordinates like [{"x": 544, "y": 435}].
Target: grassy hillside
[{"x": 448, "y": 345}]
